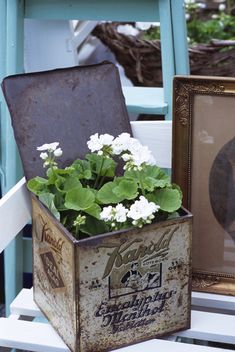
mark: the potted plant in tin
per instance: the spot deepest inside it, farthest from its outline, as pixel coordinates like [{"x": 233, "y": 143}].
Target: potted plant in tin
[
  {"x": 112, "y": 266},
  {"x": 101, "y": 279}
]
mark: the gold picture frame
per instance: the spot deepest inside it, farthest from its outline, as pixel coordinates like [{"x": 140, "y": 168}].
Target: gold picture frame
[{"x": 204, "y": 167}]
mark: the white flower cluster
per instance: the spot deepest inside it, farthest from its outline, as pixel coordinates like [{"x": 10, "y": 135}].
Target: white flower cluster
[
  {"x": 130, "y": 149},
  {"x": 143, "y": 26},
  {"x": 100, "y": 143},
  {"x": 141, "y": 212},
  {"x": 114, "y": 215},
  {"x": 49, "y": 153},
  {"x": 127, "y": 29}
]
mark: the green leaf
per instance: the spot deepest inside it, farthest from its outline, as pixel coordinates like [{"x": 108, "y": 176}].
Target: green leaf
[
  {"x": 83, "y": 169},
  {"x": 131, "y": 174},
  {"x": 37, "y": 185},
  {"x": 173, "y": 215},
  {"x": 59, "y": 201},
  {"x": 106, "y": 195},
  {"x": 126, "y": 189},
  {"x": 58, "y": 182},
  {"x": 100, "y": 165},
  {"x": 71, "y": 182},
  {"x": 94, "y": 210},
  {"x": 93, "y": 226},
  {"x": 168, "y": 199},
  {"x": 175, "y": 186},
  {"x": 79, "y": 199},
  {"x": 151, "y": 183},
  {"x": 151, "y": 177},
  {"x": 48, "y": 200}
]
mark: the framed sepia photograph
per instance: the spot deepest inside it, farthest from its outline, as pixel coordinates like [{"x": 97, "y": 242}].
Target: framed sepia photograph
[{"x": 204, "y": 167}]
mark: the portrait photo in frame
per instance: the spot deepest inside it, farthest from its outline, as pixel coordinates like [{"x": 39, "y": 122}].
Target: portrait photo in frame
[{"x": 203, "y": 165}]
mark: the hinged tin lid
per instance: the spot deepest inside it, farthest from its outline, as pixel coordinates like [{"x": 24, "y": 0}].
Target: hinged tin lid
[{"x": 65, "y": 106}]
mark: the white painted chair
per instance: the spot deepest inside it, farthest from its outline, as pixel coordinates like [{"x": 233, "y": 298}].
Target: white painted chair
[{"x": 213, "y": 316}]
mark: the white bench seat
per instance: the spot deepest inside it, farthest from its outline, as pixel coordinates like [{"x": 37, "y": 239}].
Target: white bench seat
[{"x": 37, "y": 336}]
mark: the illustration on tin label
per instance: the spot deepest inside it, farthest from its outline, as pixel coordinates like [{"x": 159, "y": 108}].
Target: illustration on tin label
[
  {"x": 51, "y": 270},
  {"x": 137, "y": 276},
  {"x": 135, "y": 271},
  {"x": 135, "y": 266}
]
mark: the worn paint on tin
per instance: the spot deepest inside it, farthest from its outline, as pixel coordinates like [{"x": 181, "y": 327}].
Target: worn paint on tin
[{"x": 114, "y": 289}]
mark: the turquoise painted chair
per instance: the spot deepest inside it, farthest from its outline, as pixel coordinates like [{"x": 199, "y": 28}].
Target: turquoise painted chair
[{"x": 170, "y": 14}]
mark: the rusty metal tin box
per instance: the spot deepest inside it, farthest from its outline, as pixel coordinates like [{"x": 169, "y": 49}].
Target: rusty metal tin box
[
  {"x": 117, "y": 288},
  {"x": 114, "y": 289}
]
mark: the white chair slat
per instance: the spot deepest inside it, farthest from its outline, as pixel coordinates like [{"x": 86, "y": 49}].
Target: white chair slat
[
  {"x": 211, "y": 327},
  {"x": 213, "y": 301},
  {"x": 15, "y": 213},
  {"x": 157, "y": 135},
  {"x": 204, "y": 325},
  {"x": 42, "y": 337},
  {"x": 31, "y": 336},
  {"x": 24, "y": 304}
]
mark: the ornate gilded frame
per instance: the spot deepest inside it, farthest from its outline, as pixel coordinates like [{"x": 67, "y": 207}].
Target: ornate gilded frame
[{"x": 211, "y": 101}]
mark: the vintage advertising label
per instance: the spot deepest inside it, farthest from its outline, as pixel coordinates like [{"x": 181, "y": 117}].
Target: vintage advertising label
[
  {"x": 134, "y": 286},
  {"x": 54, "y": 277}
]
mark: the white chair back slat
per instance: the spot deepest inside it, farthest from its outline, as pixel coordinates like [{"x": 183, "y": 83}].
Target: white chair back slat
[
  {"x": 157, "y": 135},
  {"x": 15, "y": 213}
]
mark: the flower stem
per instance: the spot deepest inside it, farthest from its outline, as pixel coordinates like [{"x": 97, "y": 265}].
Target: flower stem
[
  {"x": 98, "y": 176},
  {"x": 141, "y": 182}
]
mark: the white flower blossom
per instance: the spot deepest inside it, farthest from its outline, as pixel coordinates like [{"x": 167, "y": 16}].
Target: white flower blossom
[
  {"x": 58, "y": 152},
  {"x": 43, "y": 156},
  {"x": 222, "y": 7},
  {"x": 107, "y": 213},
  {"x": 94, "y": 143},
  {"x": 121, "y": 143},
  {"x": 201, "y": 5},
  {"x": 187, "y": 16},
  {"x": 146, "y": 25},
  {"x": 106, "y": 139},
  {"x": 48, "y": 146},
  {"x": 97, "y": 143},
  {"x": 142, "y": 211},
  {"x": 49, "y": 153},
  {"x": 127, "y": 29},
  {"x": 138, "y": 156},
  {"x": 120, "y": 213},
  {"x": 126, "y": 157},
  {"x": 141, "y": 155},
  {"x": 114, "y": 214}
]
